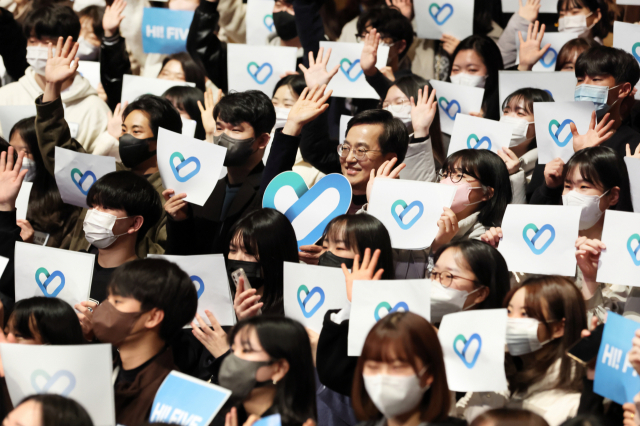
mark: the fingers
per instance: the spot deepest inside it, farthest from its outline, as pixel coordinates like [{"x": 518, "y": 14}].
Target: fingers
[
  {"x": 374, "y": 261},
  {"x": 389, "y": 166},
  {"x": 366, "y": 258},
  {"x": 592, "y": 123},
  {"x": 201, "y": 108},
  {"x": 574, "y": 129},
  {"x": 628, "y": 149},
  {"x": 395, "y": 174},
  {"x": 213, "y": 320},
  {"x": 59, "y": 47},
  {"x": 312, "y": 60}
]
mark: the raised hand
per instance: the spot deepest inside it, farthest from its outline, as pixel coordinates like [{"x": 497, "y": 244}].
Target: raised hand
[
  {"x": 404, "y": 6},
  {"x": 113, "y": 17},
  {"x": 175, "y": 206},
  {"x": 554, "y": 173},
  {"x": 85, "y": 316},
  {"x": 214, "y": 339},
  {"x": 310, "y": 104},
  {"x": 587, "y": 256},
  {"x": 385, "y": 171},
  {"x": 60, "y": 67},
  {"x": 449, "y": 43},
  {"x": 423, "y": 112},
  {"x": 206, "y": 112},
  {"x": 369, "y": 55},
  {"x": 636, "y": 153},
  {"x": 595, "y": 135},
  {"x": 447, "y": 229},
  {"x": 114, "y": 125},
  {"x": 510, "y": 159},
  {"x": 492, "y": 237},
  {"x": 26, "y": 230},
  {"x": 529, "y": 10},
  {"x": 246, "y": 303},
  {"x": 530, "y": 51},
  {"x": 10, "y": 179},
  {"x": 365, "y": 272},
  {"x": 317, "y": 74}
]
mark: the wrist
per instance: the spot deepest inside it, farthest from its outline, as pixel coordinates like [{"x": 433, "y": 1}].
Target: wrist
[
  {"x": 292, "y": 128},
  {"x": 420, "y": 133},
  {"x": 110, "y": 33},
  {"x": 370, "y": 72},
  {"x": 51, "y": 91},
  {"x": 524, "y": 67}
]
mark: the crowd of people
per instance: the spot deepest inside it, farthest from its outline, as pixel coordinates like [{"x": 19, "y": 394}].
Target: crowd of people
[{"x": 271, "y": 363}]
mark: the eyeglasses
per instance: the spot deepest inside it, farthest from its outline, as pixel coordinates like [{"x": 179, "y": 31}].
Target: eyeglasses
[
  {"x": 360, "y": 153},
  {"x": 456, "y": 176},
  {"x": 384, "y": 40},
  {"x": 396, "y": 104},
  {"x": 446, "y": 278}
]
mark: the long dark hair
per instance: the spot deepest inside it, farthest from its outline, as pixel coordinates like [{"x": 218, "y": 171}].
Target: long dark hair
[
  {"x": 192, "y": 69},
  {"x": 186, "y": 98},
  {"x": 360, "y": 232},
  {"x": 570, "y": 48},
  {"x": 489, "y": 267},
  {"x": 268, "y": 235},
  {"x": 284, "y": 338},
  {"x": 58, "y": 410},
  {"x": 490, "y": 54},
  {"x": 51, "y": 320}
]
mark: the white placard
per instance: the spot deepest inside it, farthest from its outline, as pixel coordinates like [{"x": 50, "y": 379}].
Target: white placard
[
  {"x": 344, "y": 122},
  {"x": 134, "y": 86},
  {"x": 620, "y": 262},
  {"x": 76, "y": 173},
  {"x": 479, "y": 133},
  {"x": 435, "y": 18},
  {"x": 540, "y": 239},
  {"x": 189, "y": 165},
  {"x": 473, "y": 347},
  {"x": 454, "y": 99},
  {"x": 350, "y": 81},
  {"x": 3, "y": 264},
  {"x": 546, "y": 6},
  {"x": 258, "y": 67},
  {"x": 22, "y": 202},
  {"x": 548, "y": 61},
  {"x": 628, "y": 2},
  {"x": 11, "y": 114},
  {"x": 410, "y": 210},
  {"x": 627, "y": 37},
  {"x": 259, "y": 21},
  {"x": 633, "y": 166},
  {"x": 310, "y": 291},
  {"x": 553, "y": 130},
  {"x": 91, "y": 71},
  {"x": 45, "y": 271},
  {"x": 372, "y": 300},
  {"x": 80, "y": 372},
  {"x": 560, "y": 84},
  {"x": 209, "y": 275},
  {"x": 189, "y": 127}
]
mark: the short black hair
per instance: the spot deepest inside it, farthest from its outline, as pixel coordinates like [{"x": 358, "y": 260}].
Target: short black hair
[
  {"x": 394, "y": 138},
  {"x": 58, "y": 410},
  {"x": 95, "y": 13},
  {"x": 252, "y": 106},
  {"x": 192, "y": 69},
  {"x": 130, "y": 192},
  {"x": 295, "y": 82},
  {"x": 51, "y": 21},
  {"x": 158, "y": 283},
  {"x": 161, "y": 113},
  {"x": 389, "y": 22},
  {"x": 186, "y": 98},
  {"x": 603, "y": 60},
  {"x": 52, "y": 320}
]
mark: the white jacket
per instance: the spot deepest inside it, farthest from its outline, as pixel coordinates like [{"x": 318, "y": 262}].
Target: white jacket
[{"x": 82, "y": 105}]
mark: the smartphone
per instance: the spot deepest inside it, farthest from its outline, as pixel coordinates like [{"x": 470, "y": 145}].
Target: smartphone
[
  {"x": 586, "y": 349},
  {"x": 236, "y": 275}
]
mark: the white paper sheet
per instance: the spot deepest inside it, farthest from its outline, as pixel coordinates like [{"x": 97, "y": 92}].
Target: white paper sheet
[
  {"x": 435, "y": 18},
  {"x": 548, "y": 62},
  {"x": 633, "y": 166},
  {"x": 22, "y": 202},
  {"x": 546, "y": 6},
  {"x": 11, "y": 114},
  {"x": 560, "y": 85},
  {"x": 259, "y": 21},
  {"x": 258, "y": 67},
  {"x": 454, "y": 99},
  {"x": 619, "y": 263},
  {"x": 478, "y": 133},
  {"x": 134, "y": 86},
  {"x": 627, "y": 37},
  {"x": 91, "y": 71},
  {"x": 344, "y": 122}
]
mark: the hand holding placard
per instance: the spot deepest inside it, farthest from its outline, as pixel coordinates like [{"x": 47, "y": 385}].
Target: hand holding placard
[
  {"x": 447, "y": 229},
  {"x": 492, "y": 236},
  {"x": 317, "y": 74},
  {"x": 365, "y": 272},
  {"x": 587, "y": 256},
  {"x": 554, "y": 173},
  {"x": 385, "y": 171}
]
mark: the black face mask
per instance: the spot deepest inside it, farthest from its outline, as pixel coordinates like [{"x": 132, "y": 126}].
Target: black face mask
[
  {"x": 253, "y": 271},
  {"x": 285, "y": 24},
  {"x": 134, "y": 151},
  {"x": 329, "y": 259}
]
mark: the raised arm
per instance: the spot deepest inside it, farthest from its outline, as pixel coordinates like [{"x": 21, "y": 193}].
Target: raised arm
[{"x": 114, "y": 59}]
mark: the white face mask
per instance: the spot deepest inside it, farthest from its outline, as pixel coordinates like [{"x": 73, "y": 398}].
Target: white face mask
[
  {"x": 281, "y": 116},
  {"x": 590, "y": 204},
  {"x": 394, "y": 395},
  {"x": 519, "y": 129},
  {"x": 29, "y": 165},
  {"x": 522, "y": 336},
  {"x": 37, "y": 58},
  {"x": 464, "y": 79},
  {"x": 402, "y": 113},
  {"x": 446, "y": 300},
  {"x": 87, "y": 51},
  {"x": 98, "y": 228},
  {"x": 576, "y": 24}
]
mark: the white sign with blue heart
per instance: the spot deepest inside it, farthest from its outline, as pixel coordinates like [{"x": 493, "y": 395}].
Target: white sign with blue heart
[
  {"x": 560, "y": 85},
  {"x": 620, "y": 261},
  {"x": 259, "y": 21},
  {"x": 452, "y": 17},
  {"x": 471, "y": 132},
  {"x": 258, "y": 67},
  {"x": 548, "y": 61},
  {"x": 473, "y": 347},
  {"x": 310, "y": 291},
  {"x": 134, "y": 86},
  {"x": 454, "y": 99},
  {"x": 189, "y": 165},
  {"x": 627, "y": 37},
  {"x": 410, "y": 210}
]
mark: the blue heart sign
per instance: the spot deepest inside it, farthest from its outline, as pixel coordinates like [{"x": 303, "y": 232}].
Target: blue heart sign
[{"x": 469, "y": 363}]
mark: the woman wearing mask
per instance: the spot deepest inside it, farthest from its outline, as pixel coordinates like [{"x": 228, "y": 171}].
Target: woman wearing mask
[
  {"x": 400, "y": 377},
  {"x": 545, "y": 317},
  {"x": 48, "y": 410},
  {"x": 186, "y": 99},
  {"x": 91, "y": 32},
  {"x": 569, "y": 53}
]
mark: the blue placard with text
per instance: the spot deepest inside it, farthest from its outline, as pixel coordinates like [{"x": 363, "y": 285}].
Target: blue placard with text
[
  {"x": 165, "y": 30},
  {"x": 615, "y": 377}
]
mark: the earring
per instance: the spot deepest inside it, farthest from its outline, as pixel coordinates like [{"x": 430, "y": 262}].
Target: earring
[{"x": 275, "y": 382}]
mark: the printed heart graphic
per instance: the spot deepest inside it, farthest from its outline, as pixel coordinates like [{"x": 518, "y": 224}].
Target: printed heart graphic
[
  {"x": 549, "y": 59},
  {"x": 635, "y": 52},
  {"x": 406, "y": 209},
  {"x": 259, "y": 68},
  {"x": 181, "y": 164},
  {"x": 268, "y": 22},
  {"x": 467, "y": 343},
  {"x": 308, "y": 294},
  {"x": 446, "y": 108},
  {"x": 83, "y": 177},
  {"x": 200, "y": 286},
  {"x": 333, "y": 192},
  {"x": 634, "y": 252},
  {"x": 51, "y": 380},
  {"x": 555, "y": 134},
  {"x": 387, "y": 306},
  {"x": 538, "y": 232},
  {"x": 478, "y": 142},
  {"x": 440, "y": 20},
  {"x": 49, "y": 280},
  {"x": 350, "y": 65}
]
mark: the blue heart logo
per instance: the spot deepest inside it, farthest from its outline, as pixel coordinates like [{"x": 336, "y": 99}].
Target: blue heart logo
[
  {"x": 51, "y": 380},
  {"x": 49, "y": 280},
  {"x": 259, "y": 68},
  {"x": 83, "y": 177},
  {"x": 447, "y": 106},
  {"x": 406, "y": 209},
  {"x": 556, "y": 134},
  {"x": 467, "y": 343},
  {"x": 478, "y": 142},
  {"x": 347, "y": 72},
  {"x": 200, "y": 287},
  {"x": 537, "y": 233},
  {"x": 334, "y": 189},
  {"x": 549, "y": 59},
  {"x": 634, "y": 51},
  {"x": 308, "y": 294},
  {"x": 634, "y": 252},
  {"x": 268, "y": 22},
  {"x": 387, "y": 306},
  {"x": 181, "y": 164},
  {"x": 440, "y": 20}
]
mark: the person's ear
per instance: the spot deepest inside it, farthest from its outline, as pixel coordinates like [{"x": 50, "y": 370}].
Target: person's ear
[
  {"x": 263, "y": 140},
  {"x": 614, "y": 196},
  {"x": 426, "y": 379},
  {"x": 154, "y": 319},
  {"x": 598, "y": 16},
  {"x": 489, "y": 193},
  {"x": 136, "y": 225},
  {"x": 402, "y": 46},
  {"x": 281, "y": 368},
  {"x": 557, "y": 329},
  {"x": 625, "y": 90},
  {"x": 481, "y": 295}
]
